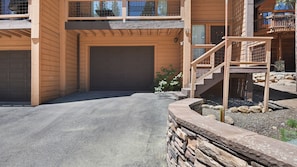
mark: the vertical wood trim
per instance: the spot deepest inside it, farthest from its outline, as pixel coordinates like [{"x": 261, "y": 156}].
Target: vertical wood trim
[
  {"x": 193, "y": 80},
  {"x": 266, "y": 90},
  {"x": 187, "y": 44},
  {"x": 62, "y": 49},
  {"x": 296, "y": 41},
  {"x": 88, "y": 58},
  {"x": 35, "y": 53},
  {"x": 228, "y": 51}
]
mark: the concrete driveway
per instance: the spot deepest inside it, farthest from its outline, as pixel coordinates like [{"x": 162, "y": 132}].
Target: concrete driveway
[{"x": 88, "y": 129}]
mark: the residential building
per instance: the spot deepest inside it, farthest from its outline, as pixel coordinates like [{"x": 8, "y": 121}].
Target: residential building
[
  {"x": 52, "y": 48},
  {"x": 277, "y": 19}
]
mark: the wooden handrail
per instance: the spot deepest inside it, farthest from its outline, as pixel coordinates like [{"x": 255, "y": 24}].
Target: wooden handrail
[
  {"x": 243, "y": 39},
  {"x": 208, "y": 53},
  {"x": 203, "y": 46},
  {"x": 14, "y": 16}
]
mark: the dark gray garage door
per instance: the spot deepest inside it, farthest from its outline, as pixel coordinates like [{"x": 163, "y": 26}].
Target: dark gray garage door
[
  {"x": 122, "y": 68},
  {"x": 15, "y": 75}
]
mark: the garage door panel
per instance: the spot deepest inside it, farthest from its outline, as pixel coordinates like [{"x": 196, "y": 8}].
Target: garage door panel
[
  {"x": 122, "y": 68},
  {"x": 15, "y": 75}
]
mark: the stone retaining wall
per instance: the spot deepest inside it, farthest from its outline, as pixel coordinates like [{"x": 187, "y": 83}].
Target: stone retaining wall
[{"x": 195, "y": 141}]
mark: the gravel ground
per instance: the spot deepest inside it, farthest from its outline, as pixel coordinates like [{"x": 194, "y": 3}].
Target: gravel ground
[{"x": 269, "y": 123}]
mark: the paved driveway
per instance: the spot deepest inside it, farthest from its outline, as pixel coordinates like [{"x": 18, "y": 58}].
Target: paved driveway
[{"x": 94, "y": 129}]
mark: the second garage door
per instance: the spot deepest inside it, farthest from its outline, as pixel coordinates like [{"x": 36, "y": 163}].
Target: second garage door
[
  {"x": 15, "y": 76},
  {"x": 122, "y": 68}
]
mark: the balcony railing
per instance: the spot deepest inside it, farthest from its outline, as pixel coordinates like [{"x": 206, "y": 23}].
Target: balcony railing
[
  {"x": 276, "y": 23},
  {"x": 123, "y": 9},
  {"x": 14, "y": 9},
  {"x": 282, "y": 22}
]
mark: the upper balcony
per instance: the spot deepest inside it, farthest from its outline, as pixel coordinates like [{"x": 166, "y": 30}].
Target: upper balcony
[
  {"x": 124, "y": 14},
  {"x": 274, "y": 17},
  {"x": 78, "y": 10},
  {"x": 14, "y": 18},
  {"x": 14, "y": 9}
]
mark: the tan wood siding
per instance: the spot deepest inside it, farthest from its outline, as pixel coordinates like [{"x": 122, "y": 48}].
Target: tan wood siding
[
  {"x": 166, "y": 50},
  {"x": 208, "y": 10},
  {"x": 15, "y": 43},
  {"x": 71, "y": 62},
  {"x": 49, "y": 50}
]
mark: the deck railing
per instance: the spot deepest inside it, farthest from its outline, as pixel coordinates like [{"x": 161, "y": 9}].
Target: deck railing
[
  {"x": 282, "y": 23},
  {"x": 123, "y": 9},
  {"x": 14, "y": 9},
  {"x": 257, "y": 55}
]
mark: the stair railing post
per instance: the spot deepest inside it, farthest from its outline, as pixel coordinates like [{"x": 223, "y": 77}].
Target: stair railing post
[
  {"x": 228, "y": 53},
  {"x": 267, "y": 76},
  {"x": 193, "y": 80}
]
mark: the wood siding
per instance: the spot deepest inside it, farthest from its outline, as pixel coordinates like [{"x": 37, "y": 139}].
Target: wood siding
[
  {"x": 209, "y": 11},
  {"x": 166, "y": 50},
  {"x": 49, "y": 50},
  {"x": 15, "y": 43},
  {"x": 71, "y": 62}
]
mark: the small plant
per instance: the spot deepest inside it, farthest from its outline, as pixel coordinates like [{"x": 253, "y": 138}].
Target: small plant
[
  {"x": 292, "y": 123},
  {"x": 168, "y": 80},
  {"x": 290, "y": 132},
  {"x": 287, "y": 135}
]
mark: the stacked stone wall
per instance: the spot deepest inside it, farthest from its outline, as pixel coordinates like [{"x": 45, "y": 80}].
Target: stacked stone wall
[{"x": 195, "y": 141}]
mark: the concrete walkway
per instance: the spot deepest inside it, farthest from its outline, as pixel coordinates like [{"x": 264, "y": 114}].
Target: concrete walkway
[{"x": 92, "y": 129}]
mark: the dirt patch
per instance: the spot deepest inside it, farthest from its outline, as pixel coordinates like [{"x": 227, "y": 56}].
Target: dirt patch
[{"x": 269, "y": 123}]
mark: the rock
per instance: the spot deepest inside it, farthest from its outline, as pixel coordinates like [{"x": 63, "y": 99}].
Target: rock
[
  {"x": 272, "y": 78},
  {"x": 188, "y": 132},
  {"x": 211, "y": 116},
  {"x": 206, "y": 106},
  {"x": 218, "y": 107},
  {"x": 255, "y": 109},
  {"x": 229, "y": 120},
  {"x": 289, "y": 77},
  {"x": 243, "y": 109},
  {"x": 233, "y": 109},
  {"x": 220, "y": 155},
  {"x": 274, "y": 127},
  {"x": 283, "y": 124},
  {"x": 182, "y": 135},
  {"x": 260, "y": 79}
]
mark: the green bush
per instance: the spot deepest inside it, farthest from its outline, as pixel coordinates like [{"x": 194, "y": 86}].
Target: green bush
[{"x": 168, "y": 79}]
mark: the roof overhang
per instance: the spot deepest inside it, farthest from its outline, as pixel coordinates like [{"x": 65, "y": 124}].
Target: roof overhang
[{"x": 120, "y": 25}]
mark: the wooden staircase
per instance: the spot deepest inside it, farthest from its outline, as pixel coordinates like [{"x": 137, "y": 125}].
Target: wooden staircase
[{"x": 206, "y": 71}]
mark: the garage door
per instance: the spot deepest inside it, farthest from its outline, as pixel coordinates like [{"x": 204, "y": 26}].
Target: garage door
[
  {"x": 122, "y": 68},
  {"x": 15, "y": 75}
]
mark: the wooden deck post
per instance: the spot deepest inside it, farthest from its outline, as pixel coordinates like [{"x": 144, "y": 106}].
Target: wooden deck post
[
  {"x": 193, "y": 80},
  {"x": 187, "y": 44},
  {"x": 228, "y": 53},
  {"x": 296, "y": 40},
  {"x": 266, "y": 89},
  {"x": 35, "y": 52}
]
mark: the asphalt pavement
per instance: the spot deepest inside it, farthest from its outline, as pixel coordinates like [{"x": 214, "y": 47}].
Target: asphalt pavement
[{"x": 102, "y": 129}]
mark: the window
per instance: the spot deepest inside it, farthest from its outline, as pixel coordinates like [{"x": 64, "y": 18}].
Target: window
[{"x": 198, "y": 37}]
